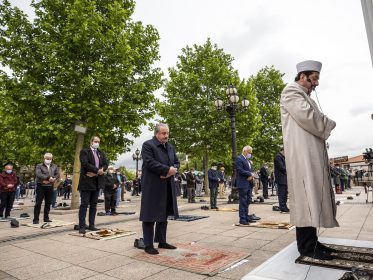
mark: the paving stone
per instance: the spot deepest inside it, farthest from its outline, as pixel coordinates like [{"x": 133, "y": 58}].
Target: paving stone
[
  {"x": 136, "y": 271},
  {"x": 101, "y": 277},
  {"x": 107, "y": 263},
  {"x": 38, "y": 268},
  {"x": 174, "y": 274},
  {"x": 69, "y": 273}
]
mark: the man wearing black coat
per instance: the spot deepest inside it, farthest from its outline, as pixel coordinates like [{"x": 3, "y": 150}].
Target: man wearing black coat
[
  {"x": 191, "y": 186},
  {"x": 264, "y": 177},
  {"x": 93, "y": 166},
  {"x": 281, "y": 181},
  {"x": 213, "y": 177},
  {"x": 158, "y": 199}
]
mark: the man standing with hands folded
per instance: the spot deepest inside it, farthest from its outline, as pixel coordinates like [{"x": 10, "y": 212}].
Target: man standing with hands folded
[
  {"x": 46, "y": 175},
  {"x": 93, "y": 166},
  {"x": 158, "y": 200}
]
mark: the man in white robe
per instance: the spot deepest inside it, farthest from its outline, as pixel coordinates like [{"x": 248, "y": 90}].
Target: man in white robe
[{"x": 305, "y": 129}]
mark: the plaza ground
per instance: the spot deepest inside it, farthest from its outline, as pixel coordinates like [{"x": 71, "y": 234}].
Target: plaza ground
[{"x": 32, "y": 253}]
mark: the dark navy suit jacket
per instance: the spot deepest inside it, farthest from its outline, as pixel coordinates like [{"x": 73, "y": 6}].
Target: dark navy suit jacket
[
  {"x": 243, "y": 168},
  {"x": 280, "y": 169}
]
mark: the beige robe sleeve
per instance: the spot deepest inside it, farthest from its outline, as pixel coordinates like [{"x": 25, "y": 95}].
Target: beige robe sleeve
[{"x": 307, "y": 116}]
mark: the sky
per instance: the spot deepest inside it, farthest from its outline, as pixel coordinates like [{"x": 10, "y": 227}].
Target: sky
[{"x": 259, "y": 33}]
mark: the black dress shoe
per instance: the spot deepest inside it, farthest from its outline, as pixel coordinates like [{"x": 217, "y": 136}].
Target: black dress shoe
[
  {"x": 35, "y": 222},
  {"x": 244, "y": 223},
  {"x": 324, "y": 248},
  {"x": 318, "y": 254},
  {"x": 166, "y": 246},
  {"x": 150, "y": 250},
  {"x": 254, "y": 217},
  {"x": 93, "y": 228},
  {"x": 82, "y": 230}
]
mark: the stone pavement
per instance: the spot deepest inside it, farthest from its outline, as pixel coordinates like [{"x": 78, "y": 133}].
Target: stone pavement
[{"x": 31, "y": 253}]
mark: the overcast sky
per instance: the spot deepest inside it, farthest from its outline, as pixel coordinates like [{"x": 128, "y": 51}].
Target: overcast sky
[{"x": 279, "y": 33}]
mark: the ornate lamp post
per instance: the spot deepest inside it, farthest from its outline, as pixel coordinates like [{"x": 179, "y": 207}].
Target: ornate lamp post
[
  {"x": 232, "y": 107},
  {"x": 137, "y": 156}
]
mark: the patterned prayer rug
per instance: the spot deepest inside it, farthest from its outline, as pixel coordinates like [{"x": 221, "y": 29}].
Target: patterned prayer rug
[
  {"x": 53, "y": 224},
  {"x": 187, "y": 218},
  {"x": 105, "y": 234},
  {"x": 194, "y": 258},
  {"x": 274, "y": 225},
  {"x": 346, "y": 257}
]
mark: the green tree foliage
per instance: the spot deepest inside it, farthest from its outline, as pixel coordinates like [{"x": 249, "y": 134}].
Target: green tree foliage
[
  {"x": 78, "y": 60},
  {"x": 202, "y": 74},
  {"x": 268, "y": 84}
]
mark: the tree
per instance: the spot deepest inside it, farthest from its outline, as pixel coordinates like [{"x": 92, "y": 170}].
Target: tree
[
  {"x": 78, "y": 60},
  {"x": 201, "y": 75},
  {"x": 268, "y": 84}
]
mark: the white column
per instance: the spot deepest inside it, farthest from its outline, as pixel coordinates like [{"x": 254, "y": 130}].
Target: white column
[{"x": 367, "y": 6}]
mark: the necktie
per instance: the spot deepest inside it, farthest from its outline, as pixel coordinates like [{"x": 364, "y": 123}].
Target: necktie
[{"x": 97, "y": 161}]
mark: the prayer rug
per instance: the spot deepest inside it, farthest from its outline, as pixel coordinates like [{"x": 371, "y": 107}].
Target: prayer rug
[
  {"x": 346, "y": 257},
  {"x": 357, "y": 274},
  {"x": 225, "y": 209},
  {"x": 273, "y": 225},
  {"x": 195, "y": 258},
  {"x": 53, "y": 224},
  {"x": 105, "y": 234},
  {"x": 12, "y": 218},
  {"x": 187, "y": 218},
  {"x": 119, "y": 213}
]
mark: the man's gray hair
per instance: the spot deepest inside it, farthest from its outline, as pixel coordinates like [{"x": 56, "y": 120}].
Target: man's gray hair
[
  {"x": 247, "y": 148},
  {"x": 48, "y": 155},
  {"x": 158, "y": 127}
]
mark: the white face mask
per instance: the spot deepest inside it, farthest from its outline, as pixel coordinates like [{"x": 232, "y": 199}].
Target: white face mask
[
  {"x": 47, "y": 161},
  {"x": 95, "y": 145}
]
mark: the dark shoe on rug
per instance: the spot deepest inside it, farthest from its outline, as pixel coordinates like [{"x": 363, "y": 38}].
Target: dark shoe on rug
[
  {"x": 324, "y": 248},
  {"x": 151, "y": 250},
  {"x": 93, "y": 228},
  {"x": 254, "y": 217},
  {"x": 166, "y": 246},
  {"x": 244, "y": 223},
  {"x": 35, "y": 222},
  {"x": 82, "y": 230},
  {"x": 320, "y": 255}
]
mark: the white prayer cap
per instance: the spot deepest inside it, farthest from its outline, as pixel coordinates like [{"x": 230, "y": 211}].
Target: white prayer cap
[{"x": 309, "y": 65}]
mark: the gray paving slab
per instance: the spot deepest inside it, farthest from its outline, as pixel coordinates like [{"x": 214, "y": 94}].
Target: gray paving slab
[
  {"x": 136, "y": 271},
  {"x": 107, "y": 263},
  {"x": 38, "y": 268},
  {"x": 32, "y": 248},
  {"x": 69, "y": 273},
  {"x": 101, "y": 277},
  {"x": 174, "y": 274}
]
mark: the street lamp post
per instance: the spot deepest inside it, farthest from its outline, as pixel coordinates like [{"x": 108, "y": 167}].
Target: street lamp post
[
  {"x": 232, "y": 107},
  {"x": 137, "y": 156}
]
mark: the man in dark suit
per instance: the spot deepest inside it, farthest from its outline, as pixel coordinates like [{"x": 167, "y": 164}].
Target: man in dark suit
[
  {"x": 47, "y": 173},
  {"x": 213, "y": 184},
  {"x": 191, "y": 186},
  {"x": 93, "y": 166},
  {"x": 158, "y": 199},
  {"x": 281, "y": 181},
  {"x": 264, "y": 177},
  {"x": 244, "y": 183}
]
